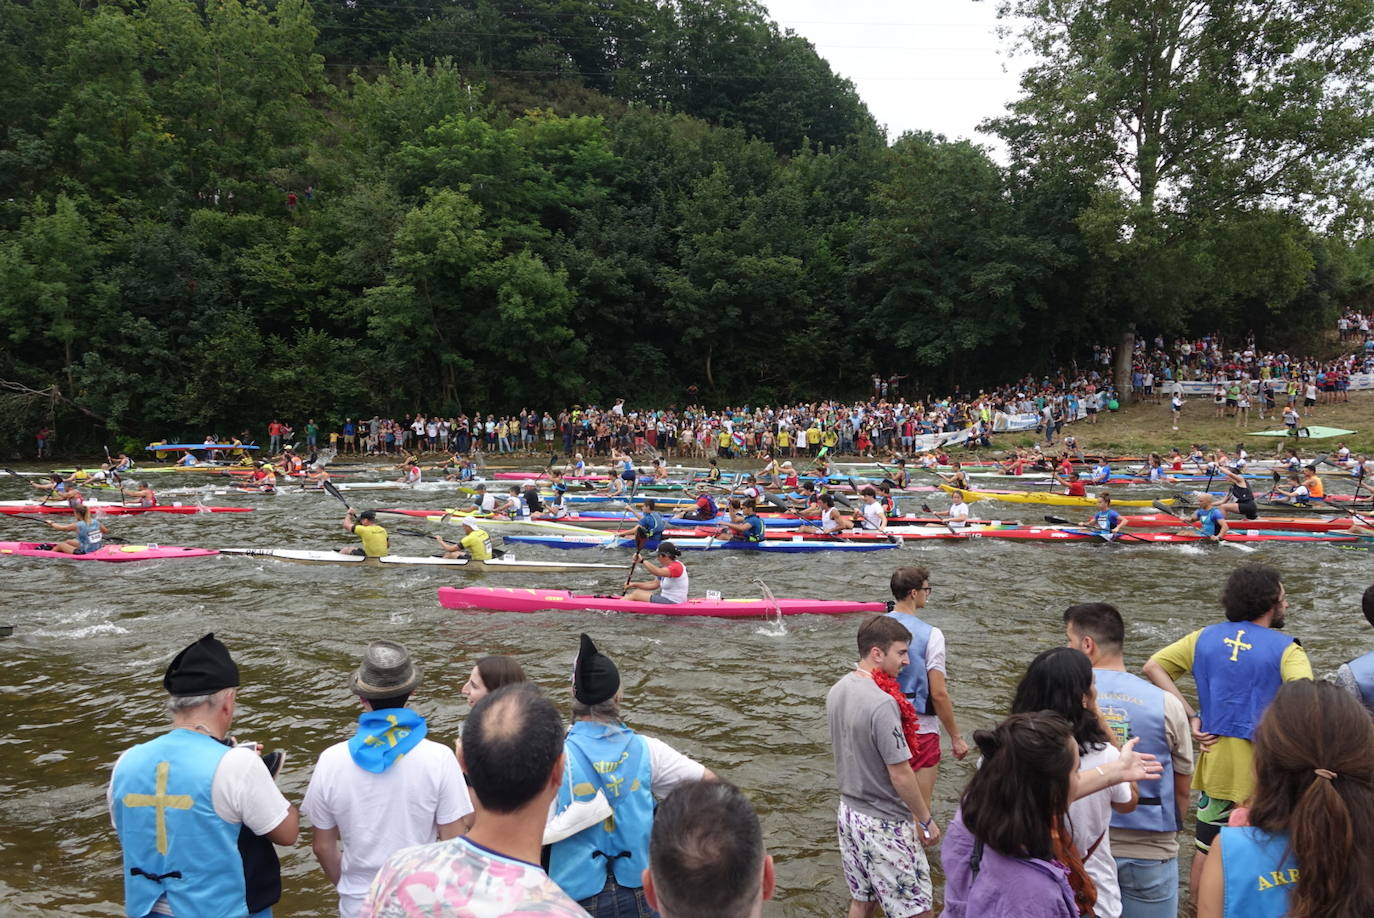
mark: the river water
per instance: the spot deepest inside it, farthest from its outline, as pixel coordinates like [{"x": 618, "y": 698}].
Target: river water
[{"x": 82, "y": 672}]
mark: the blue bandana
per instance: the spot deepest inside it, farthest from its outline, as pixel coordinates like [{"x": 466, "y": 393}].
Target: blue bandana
[{"x": 384, "y": 736}]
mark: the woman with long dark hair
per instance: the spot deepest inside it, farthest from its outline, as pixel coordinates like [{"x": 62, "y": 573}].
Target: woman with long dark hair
[
  {"x": 1061, "y": 680},
  {"x": 1008, "y": 850},
  {"x": 1309, "y": 849}
]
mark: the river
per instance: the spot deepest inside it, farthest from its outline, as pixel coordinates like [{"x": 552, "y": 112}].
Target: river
[{"x": 82, "y": 672}]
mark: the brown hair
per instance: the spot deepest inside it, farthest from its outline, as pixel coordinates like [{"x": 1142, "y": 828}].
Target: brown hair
[
  {"x": 880, "y": 631},
  {"x": 906, "y": 579},
  {"x": 1312, "y": 726},
  {"x": 497, "y": 671},
  {"x": 1017, "y": 800}
]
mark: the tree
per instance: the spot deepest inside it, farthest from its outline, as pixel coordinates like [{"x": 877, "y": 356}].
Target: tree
[{"x": 1186, "y": 114}]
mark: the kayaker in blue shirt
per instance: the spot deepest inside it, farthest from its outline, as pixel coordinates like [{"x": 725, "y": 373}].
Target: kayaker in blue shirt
[
  {"x": 1106, "y": 520},
  {"x": 1211, "y": 521},
  {"x": 748, "y": 528},
  {"x": 1102, "y": 473},
  {"x": 89, "y": 532},
  {"x": 651, "y": 523}
]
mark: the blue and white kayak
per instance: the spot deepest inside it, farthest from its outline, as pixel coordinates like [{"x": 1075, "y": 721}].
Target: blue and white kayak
[{"x": 787, "y": 546}]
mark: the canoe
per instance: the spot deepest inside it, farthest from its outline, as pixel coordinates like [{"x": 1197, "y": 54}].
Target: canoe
[
  {"x": 525, "y": 600},
  {"x": 1067, "y": 534},
  {"x": 1045, "y": 497},
  {"x": 19, "y": 506},
  {"x": 168, "y": 447},
  {"x": 791, "y": 546},
  {"x": 108, "y": 553},
  {"x": 1308, "y": 432},
  {"x": 495, "y": 564}
]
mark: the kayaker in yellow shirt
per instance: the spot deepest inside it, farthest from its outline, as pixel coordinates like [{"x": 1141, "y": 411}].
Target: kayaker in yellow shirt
[
  {"x": 475, "y": 544},
  {"x": 374, "y": 538}
]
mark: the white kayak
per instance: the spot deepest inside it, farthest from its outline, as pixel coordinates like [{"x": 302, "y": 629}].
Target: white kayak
[{"x": 496, "y": 564}]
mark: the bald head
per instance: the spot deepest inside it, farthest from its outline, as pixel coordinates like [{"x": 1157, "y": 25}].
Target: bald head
[{"x": 511, "y": 743}]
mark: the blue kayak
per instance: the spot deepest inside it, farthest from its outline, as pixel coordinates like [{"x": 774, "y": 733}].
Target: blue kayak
[{"x": 785, "y": 547}]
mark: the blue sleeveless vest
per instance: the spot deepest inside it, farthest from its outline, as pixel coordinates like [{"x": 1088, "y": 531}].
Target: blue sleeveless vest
[
  {"x": 913, "y": 678},
  {"x": 1135, "y": 707},
  {"x": 1236, "y": 667},
  {"x": 1258, "y": 872},
  {"x": 615, "y": 759},
  {"x": 1362, "y": 668},
  {"x": 173, "y": 841}
]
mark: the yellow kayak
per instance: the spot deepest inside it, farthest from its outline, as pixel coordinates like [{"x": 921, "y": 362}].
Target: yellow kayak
[{"x": 1046, "y": 497}]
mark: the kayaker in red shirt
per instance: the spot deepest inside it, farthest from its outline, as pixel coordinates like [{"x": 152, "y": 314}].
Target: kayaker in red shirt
[{"x": 1075, "y": 487}]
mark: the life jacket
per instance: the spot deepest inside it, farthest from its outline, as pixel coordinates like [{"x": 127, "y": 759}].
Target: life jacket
[
  {"x": 173, "y": 842},
  {"x": 1236, "y": 667},
  {"x": 1362, "y": 668},
  {"x": 614, "y": 759},
  {"x": 1258, "y": 873},
  {"x": 1134, "y": 707},
  {"x": 914, "y": 677}
]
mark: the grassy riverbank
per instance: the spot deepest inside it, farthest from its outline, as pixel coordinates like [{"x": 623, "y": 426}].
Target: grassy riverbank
[{"x": 1140, "y": 428}]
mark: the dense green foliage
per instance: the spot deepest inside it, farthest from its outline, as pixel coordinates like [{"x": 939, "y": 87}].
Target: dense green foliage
[{"x": 552, "y": 201}]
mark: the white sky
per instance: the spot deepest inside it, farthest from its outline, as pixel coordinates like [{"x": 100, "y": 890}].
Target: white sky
[{"x": 919, "y": 65}]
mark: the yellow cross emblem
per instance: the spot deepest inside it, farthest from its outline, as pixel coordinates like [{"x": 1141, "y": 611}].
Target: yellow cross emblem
[
  {"x": 1237, "y": 645},
  {"x": 163, "y": 801},
  {"x": 393, "y": 736}
]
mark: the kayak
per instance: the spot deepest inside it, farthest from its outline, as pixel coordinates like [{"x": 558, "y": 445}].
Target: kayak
[
  {"x": 504, "y": 599},
  {"x": 1297, "y": 524},
  {"x": 108, "y": 553},
  {"x": 19, "y": 506},
  {"x": 791, "y": 546},
  {"x": 1046, "y": 497},
  {"x": 609, "y": 519},
  {"x": 1056, "y": 534},
  {"x": 167, "y": 447},
  {"x": 495, "y": 564}
]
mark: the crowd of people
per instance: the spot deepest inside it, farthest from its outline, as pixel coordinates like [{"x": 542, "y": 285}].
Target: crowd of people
[{"x": 1076, "y": 806}]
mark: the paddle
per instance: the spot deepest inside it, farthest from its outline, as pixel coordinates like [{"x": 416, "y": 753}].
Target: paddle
[
  {"x": 634, "y": 562},
  {"x": 1363, "y": 521},
  {"x": 113, "y": 540},
  {"x": 788, "y": 511},
  {"x": 15, "y": 474},
  {"x": 1164, "y": 509},
  {"x": 948, "y": 525}
]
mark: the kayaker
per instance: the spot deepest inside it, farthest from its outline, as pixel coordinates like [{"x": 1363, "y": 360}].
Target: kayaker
[
  {"x": 1106, "y": 520},
  {"x": 671, "y": 583},
  {"x": 486, "y": 503},
  {"x": 624, "y": 477},
  {"x": 1240, "y": 499},
  {"x": 898, "y": 475},
  {"x": 1073, "y": 485},
  {"x": 1102, "y": 473},
  {"x": 187, "y": 460},
  {"x": 364, "y": 526},
  {"x": 58, "y": 488},
  {"x": 1295, "y": 494},
  {"x": 89, "y": 532},
  {"x": 957, "y": 515},
  {"x": 651, "y": 523},
  {"x": 475, "y": 543},
  {"x": 1315, "y": 489},
  {"x": 1211, "y": 520},
  {"x": 123, "y": 463},
  {"x": 413, "y": 472},
  {"x": 317, "y": 476},
  {"x": 789, "y": 476},
  {"x": 577, "y": 468},
  {"x": 1357, "y": 675},
  {"x": 532, "y": 503},
  {"x": 771, "y": 471},
  {"x": 556, "y": 509},
  {"x": 712, "y": 472},
  {"x": 956, "y": 478},
  {"x": 873, "y": 514},
  {"x": 514, "y": 506},
  {"x": 748, "y": 528},
  {"x": 705, "y": 509},
  {"x": 832, "y": 519},
  {"x": 143, "y": 496}
]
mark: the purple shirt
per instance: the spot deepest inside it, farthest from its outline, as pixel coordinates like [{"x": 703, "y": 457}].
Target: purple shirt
[{"x": 1008, "y": 887}]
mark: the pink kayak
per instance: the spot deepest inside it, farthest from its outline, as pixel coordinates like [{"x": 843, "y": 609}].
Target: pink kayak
[
  {"x": 506, "y": 599},
  {"x": 544, "y": 476},
  {"x": 108, "y": 553},
  {"x": 116, "y": 509}
]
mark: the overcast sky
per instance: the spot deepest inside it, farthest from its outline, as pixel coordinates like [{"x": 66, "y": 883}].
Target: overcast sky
[{"x": 919, "y": 65}]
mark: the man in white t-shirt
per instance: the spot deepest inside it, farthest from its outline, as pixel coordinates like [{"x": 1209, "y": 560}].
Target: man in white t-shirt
[
  {"x": 385, "y": 789},
  {"x": 513, "y": 754},
  {"x": 923, "y": 678}
]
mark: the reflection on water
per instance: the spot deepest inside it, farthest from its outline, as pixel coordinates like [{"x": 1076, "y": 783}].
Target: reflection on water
[{"x": 82, "y": 675}]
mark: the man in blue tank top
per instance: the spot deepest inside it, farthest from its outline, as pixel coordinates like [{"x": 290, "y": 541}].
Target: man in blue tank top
[
  {"x": 922, "y": 679},
  {"x": 178, "y": 801},
  {"x": 1143, "y": 842},
  {"x": 1238, "y": 666},
  {"x": 1357, "y": 676},
  {"x": 602, "y": 866}
]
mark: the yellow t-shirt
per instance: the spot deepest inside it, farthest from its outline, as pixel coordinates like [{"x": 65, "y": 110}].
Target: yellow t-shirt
[
  {"x": 829, "y": 438},
  {"x": 1226, "y": 770},
  {"x": 724, "y": 439},
  {"x": 784, "y": 439},
  {"x": 813, "y": 435},
  {"x": 477, "y": 544},
  {"x": 374, "y": 539}
]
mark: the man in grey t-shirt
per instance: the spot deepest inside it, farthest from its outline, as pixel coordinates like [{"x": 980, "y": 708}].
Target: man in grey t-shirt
[{"x": 883, "y": 820}]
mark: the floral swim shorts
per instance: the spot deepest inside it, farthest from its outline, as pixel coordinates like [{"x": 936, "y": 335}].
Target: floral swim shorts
[{"x": 884, "y": 860}]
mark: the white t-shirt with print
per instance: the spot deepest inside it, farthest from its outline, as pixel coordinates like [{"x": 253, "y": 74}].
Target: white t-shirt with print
[{"x": 1091, "y": 816}]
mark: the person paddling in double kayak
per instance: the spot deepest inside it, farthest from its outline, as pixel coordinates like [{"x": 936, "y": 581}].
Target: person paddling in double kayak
[
  {"x": 475, "y": 543},
  {"x": 364, "y": 526},
  {"x": 90, "y": 532},
  {"x": 670, "y": 585},
  {"x": 745, "y": 524}
]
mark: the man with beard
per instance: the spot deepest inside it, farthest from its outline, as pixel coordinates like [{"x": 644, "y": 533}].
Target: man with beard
[{"x": 1238, "y": 666}]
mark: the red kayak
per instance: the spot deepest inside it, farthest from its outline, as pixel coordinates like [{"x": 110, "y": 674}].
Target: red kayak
[
  {"x": 18, "y": 507},
  {"x": 1294, "y": 524}
]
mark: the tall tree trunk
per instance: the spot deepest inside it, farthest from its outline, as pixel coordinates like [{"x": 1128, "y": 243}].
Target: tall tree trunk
[{"x": 1124, "y": 354}]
